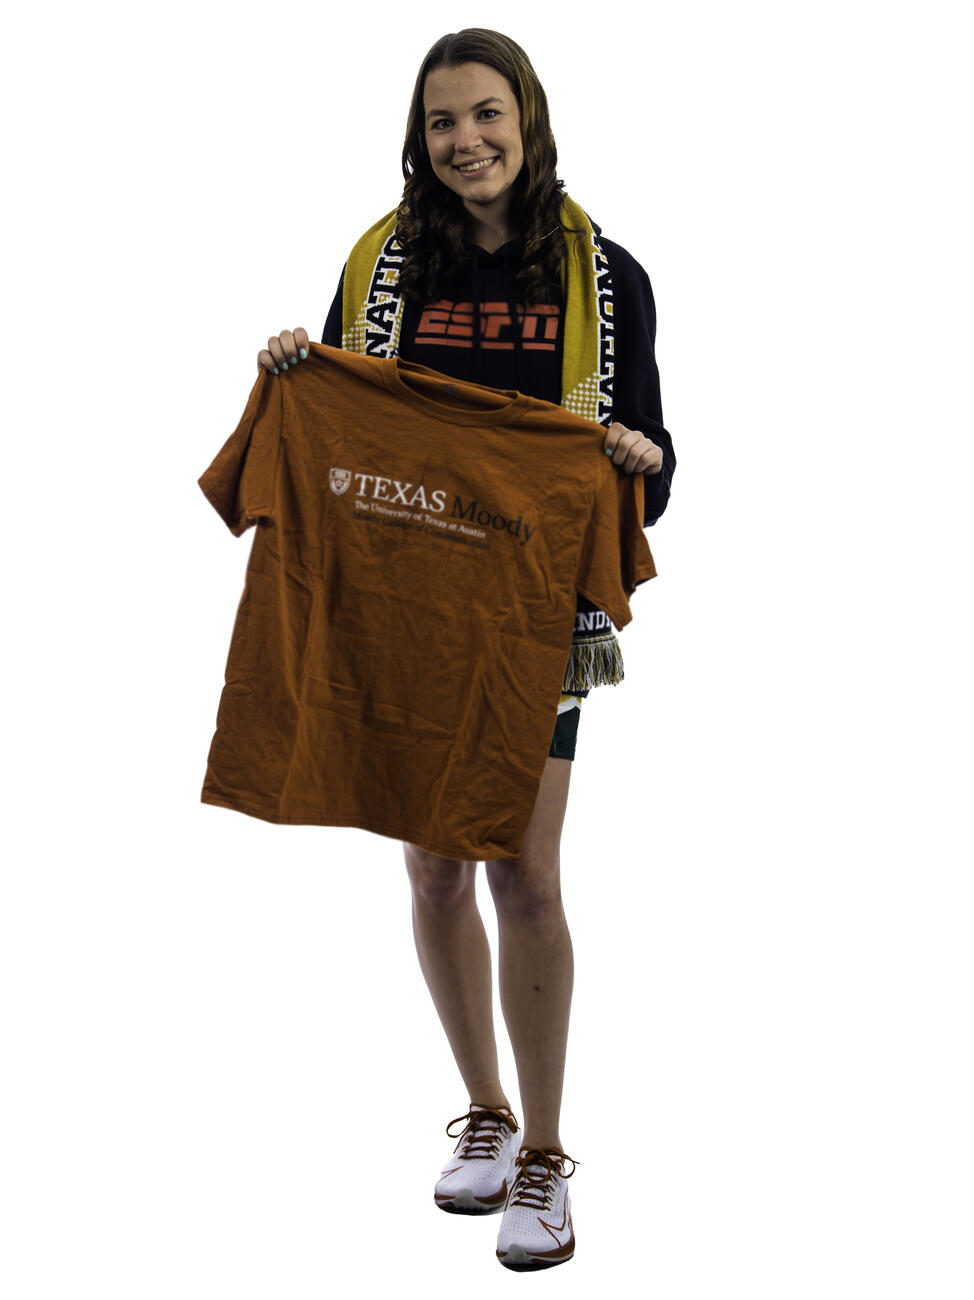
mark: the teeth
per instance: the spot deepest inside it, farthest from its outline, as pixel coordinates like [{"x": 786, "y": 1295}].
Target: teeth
[{"x": 477, "y": 166}]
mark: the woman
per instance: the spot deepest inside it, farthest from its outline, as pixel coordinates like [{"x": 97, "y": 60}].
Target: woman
[{"x": 489, "y": 272}]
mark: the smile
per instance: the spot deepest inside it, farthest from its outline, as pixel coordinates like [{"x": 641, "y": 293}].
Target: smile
[{"x": 479, "y": 166}]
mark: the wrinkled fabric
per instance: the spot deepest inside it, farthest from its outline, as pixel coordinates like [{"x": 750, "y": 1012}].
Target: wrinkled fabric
[{"x": 399, "y": 649}]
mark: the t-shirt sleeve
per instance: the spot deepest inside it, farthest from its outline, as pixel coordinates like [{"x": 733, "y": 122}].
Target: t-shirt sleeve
[
  {"x": 241, "y": 481},
  {"x": 615, "y": 556}
]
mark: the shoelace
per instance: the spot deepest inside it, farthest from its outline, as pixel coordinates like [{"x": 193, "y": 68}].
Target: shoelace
[
  {"x": 484, "y": 1134},
  {"x": 537, "y": 1192}
]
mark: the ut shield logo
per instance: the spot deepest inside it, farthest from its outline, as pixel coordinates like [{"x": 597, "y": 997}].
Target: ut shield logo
[{"x": 339, "y": 480}]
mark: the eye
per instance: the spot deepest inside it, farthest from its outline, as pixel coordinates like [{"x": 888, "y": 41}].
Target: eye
[
  {"x": 493, "y": 111},
  {"x": 440, "y": 121}
]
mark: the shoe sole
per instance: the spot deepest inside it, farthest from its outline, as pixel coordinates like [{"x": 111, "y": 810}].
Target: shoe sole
[
  {"x": 521, "y": 1261},
  {"x": 462, "y": 1209},
  {"x": 464, "y": 1202}
]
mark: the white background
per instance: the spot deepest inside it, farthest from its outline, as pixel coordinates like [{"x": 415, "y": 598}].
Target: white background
[{"x": 224, "y": 1075}]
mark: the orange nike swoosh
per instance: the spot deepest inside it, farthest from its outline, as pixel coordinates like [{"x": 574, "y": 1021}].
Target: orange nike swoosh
[{"x": 554, "y": 1229}]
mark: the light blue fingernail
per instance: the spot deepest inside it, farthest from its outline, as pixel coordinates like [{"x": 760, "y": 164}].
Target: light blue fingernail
[
  {"x": 608, "y": 451},
  {"x": 284, "y": 365},
  {"x": 276, "y": 371},
  {"x": 304, "y": 354}
]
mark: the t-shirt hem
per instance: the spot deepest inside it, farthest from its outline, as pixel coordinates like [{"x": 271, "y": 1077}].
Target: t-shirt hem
[{"x": 467, "y": 851}]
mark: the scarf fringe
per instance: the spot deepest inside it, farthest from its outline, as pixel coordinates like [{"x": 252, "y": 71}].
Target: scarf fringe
[{"x": 594, "y": 661}]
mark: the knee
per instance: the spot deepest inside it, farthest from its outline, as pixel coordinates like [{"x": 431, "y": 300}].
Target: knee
[
  {"x": 439, "y": 883},
  {"x": 529, "y": 891}
]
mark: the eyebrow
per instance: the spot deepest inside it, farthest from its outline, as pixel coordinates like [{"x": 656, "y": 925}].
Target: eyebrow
[{"x": 442, "y": 112}]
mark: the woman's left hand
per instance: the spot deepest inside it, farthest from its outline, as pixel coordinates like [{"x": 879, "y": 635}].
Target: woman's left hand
[{"x": 633, "y": 453}]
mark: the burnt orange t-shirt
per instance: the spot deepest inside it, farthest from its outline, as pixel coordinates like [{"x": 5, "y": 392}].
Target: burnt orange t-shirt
[{"x": 401, "y": 642}]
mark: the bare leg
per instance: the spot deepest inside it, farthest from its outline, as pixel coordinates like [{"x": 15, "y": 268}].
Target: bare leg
[
  {"x": 454, "y": 956},
  {"x": 537, "y": 965}
]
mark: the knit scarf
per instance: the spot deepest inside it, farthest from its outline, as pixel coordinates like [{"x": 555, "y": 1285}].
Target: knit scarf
[{"x": 372, "y": 307}]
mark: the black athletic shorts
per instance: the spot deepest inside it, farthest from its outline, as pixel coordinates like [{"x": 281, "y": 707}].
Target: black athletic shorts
[{"x": 566, "y": 727}]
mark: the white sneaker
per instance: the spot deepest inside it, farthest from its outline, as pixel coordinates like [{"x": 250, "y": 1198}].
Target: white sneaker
[
  {"x": 476, "y": 1179},
  {"x": 536, "y": 1230}
]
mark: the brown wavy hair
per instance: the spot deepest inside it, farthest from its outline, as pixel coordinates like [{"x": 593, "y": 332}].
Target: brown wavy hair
[{"x": 431, "y": 219}]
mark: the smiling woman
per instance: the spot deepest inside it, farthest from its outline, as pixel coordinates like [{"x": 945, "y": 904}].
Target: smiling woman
[
  {"x": 476, "y": 98},
  {"x": 473, "y": 136},
  {"x": 489, "y": 272}
]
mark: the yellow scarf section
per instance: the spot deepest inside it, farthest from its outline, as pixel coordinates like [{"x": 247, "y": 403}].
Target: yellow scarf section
[
  {"x": 372, "y": 305},
  {"x": 371, "y": 320}
]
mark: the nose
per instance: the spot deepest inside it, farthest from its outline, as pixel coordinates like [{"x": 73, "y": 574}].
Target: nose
[{"x": 468, "y": 137}]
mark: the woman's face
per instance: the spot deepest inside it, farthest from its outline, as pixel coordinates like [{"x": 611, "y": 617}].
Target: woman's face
[{"x": 472, "y": 117}]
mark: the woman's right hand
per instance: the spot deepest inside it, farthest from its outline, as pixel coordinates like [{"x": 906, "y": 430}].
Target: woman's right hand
[{"x": 284, "y": 350}]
